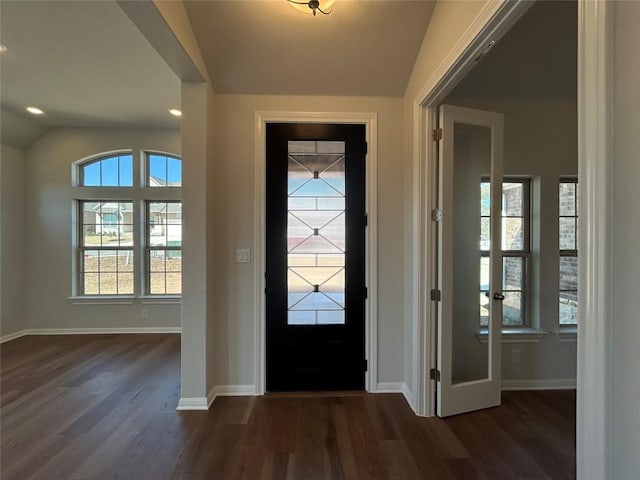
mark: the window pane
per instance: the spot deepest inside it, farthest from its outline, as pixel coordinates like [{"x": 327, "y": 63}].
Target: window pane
[
  {"x": 126, "y": 235},
  {"x": 174, "y": 272},
  {"x": 568, "y": 308},
  {"x": 109, "y": 171},
  {"x": 126, "y": 171},
  {"x": 90, "y": 286},
  {"x": 484, "y": 289},
  {"x": 174, "y": 172},
  {"x": 174, "y": 224},
  {"x": 125, "y": 261},
  {"x": 513, "y": 309},
  {"x": 513, "y": 199},
  {"x": 316, "y": 233},
  {"x": 567, "y": 199},
  {"x": 513, "y": 273},
  {"x": 512, "y": 234},
  {"x": 157, "y": 261},
  {"x": 485, "y": 234},
  {"x": 108, "y": 283},
  {"x": 165, "y": 224},
  {"x": 90, "y": 261},
  {"x": 569, "y": 273},
  {"x": 485, "y": 199},
  {"x": 125, "y": 283},
  {"x": 567, "y": 233},
  {"x": 91, "y": 174},
  {"x": 157, "y": 170},
  {"x": 107, "y": 261},
  {"x": 174, "y": 283},
  {"x": 89, "y": 236},
  {"x": 157, "y": 285}
]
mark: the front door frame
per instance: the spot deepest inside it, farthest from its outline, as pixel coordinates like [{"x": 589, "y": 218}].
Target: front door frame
[
  {"x": 370, "y": 120},
  {"x": 595, "y": 160}
]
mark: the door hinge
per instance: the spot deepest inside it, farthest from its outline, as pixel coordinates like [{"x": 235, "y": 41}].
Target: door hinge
[
  {"x": 436, "y": 295},
  {"x": 434, "y": 374},
  {"x": 365, "y": 365},
  {"x": 366, "y": 219},
  {"x": 366, "y": 147},
  {"x": 437, "y": 134},
  {"x": 366, "y": 292},
  {"x": 436, "y": 215}
]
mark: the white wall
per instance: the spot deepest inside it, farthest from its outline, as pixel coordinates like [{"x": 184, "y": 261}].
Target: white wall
[
  {"x": 12, "y": 241},
  {"x": 49, "y": 229},
  {"x": 234, "y": 212},
  {"x": 625, "y": 322}
]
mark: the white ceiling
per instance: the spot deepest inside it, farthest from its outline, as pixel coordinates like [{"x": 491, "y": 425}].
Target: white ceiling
[
  {"x": 536, "y": 59},
  {"x": 85, "y": 64},
  {"x": 364, "y": 48}
]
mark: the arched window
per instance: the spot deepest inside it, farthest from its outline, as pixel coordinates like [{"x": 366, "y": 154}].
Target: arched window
[
  {"x": 129, "y": 240},
  {"x": 110, "y": 171}
]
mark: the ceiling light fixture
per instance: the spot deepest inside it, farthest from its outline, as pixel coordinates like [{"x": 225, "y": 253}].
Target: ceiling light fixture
[
  {"x": 175, "y": 112},
  {"x": 35, "y": 110},
  {"x": 3, "y": 48},
  {"x": 314, "y": 6}
]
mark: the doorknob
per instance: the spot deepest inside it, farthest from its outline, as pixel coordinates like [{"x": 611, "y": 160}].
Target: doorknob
[{"x": 498, "y": 296}]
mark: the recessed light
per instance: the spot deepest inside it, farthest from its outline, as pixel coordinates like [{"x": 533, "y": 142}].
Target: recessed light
[
  {"x": 175, "y": 112},
  {"x": 34, "y": 110},
  {"x": 3, "y": 48}
]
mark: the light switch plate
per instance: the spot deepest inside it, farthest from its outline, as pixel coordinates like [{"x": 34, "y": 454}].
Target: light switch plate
[{"x": 243, "y": 255}]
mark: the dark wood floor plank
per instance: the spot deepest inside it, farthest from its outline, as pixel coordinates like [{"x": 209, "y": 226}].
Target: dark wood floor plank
[{"x": 103, "y": 407}]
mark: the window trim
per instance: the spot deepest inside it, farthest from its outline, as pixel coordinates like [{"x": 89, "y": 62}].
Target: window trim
[
  {"x": 524, "y": 253},
  {"x": 137, "y": 194}
]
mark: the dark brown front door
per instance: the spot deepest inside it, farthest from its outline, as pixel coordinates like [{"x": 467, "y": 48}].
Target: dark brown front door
[{"x": 315, "y": 265}]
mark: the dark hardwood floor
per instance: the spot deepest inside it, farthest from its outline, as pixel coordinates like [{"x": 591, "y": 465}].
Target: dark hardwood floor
[{"x": 103, "y": 407}]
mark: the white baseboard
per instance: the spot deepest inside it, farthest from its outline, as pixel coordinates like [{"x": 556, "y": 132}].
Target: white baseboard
[
  {"x": 91, "y": 331},
  {"x": 231, "y": 391},
  {"x": 13, "y": 336},
  {"x": 396, "y": 387},
  {"x": 540, "y": 384},
  {"x": 193, "y": 403},
  {"x": 202, "y": 403}
]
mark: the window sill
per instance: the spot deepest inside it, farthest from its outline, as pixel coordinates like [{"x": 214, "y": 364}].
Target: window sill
[
  {"x": 160, "y": 299},
  {"x": 567, "y": 334},
  {"x": 102, "y": 300},
  {"x": 125, "y": 299},
  {"x": 514, "y": 335}
]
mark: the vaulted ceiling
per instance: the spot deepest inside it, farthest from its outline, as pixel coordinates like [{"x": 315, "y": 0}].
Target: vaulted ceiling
[
  {"x": 362, "y": 48},
  {"x": 87, "y": 65}
]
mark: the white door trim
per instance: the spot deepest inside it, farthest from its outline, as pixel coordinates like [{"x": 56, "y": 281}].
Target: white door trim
[
  {"x": 493, "y": 21},
  {"x": 370, "y": 120},
  {"x": 595, "y": 285},
  {"x": 595, "y": 154}
]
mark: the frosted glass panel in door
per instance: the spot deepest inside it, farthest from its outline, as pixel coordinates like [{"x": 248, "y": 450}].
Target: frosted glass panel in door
[
  {"x": 471, "y": 238},
  {"x": 316, "y": 244}
]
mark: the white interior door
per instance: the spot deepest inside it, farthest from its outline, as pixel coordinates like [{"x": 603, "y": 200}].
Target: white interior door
[{"x": 470, "y": 259}]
